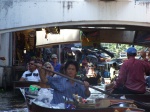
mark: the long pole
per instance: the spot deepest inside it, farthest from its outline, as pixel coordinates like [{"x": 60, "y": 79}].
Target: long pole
[{"x": 78, "y": 81}]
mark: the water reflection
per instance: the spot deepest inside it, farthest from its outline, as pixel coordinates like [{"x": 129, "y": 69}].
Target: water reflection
[{"x": 12, "y": 102}]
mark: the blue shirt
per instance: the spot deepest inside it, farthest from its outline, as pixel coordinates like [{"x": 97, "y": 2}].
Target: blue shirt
[
  {"x": 57, "y": 67},
  {"x": 63, "y": 87}
]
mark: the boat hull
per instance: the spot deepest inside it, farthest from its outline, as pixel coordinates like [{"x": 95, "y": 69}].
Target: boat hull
[{"x": 37, "y": 108}]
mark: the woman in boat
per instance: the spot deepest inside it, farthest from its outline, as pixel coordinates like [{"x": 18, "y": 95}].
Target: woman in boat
[
  {"x": 45, "y": 73},
  {"x": 65, "y": 88}
]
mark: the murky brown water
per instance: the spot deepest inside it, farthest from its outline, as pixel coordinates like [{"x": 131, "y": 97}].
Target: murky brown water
[{"x": 12, "y": 102}]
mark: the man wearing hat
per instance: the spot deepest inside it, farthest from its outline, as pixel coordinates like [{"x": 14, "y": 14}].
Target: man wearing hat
[
  {"x": 131, "y": 75},
  {"x": 55, "y": 63}
]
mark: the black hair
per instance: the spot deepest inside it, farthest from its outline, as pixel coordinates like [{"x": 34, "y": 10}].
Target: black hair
[
  {"x": 36, "y": 60},
  {"x": 114, "y": 64},
  {"x": 71, "y": 62}
]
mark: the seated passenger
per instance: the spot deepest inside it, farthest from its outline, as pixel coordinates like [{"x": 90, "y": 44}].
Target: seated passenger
[
  {"x": 64, "y": 87},
  {"x": 32, "y": 73},
  {"x": 92, "y": 76},
  {"x": 45, "y": 73}
]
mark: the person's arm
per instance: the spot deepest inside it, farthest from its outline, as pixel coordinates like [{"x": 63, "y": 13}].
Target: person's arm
[
  {"x": 42, "y": 74},
  {"x": 87, "y": 91},
  {"x": 120, "y": 80},
  {"x": 22, "y": 79},
  {"x": 122, "y": 77}
]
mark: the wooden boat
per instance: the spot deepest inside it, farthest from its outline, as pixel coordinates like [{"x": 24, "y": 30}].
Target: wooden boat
[
  {"x": 37, "y": 108},
  {"x": 142, "y": 101},
  {"x": 137, "y": 97}
]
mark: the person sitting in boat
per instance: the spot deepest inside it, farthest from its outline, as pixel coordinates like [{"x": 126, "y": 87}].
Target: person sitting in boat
[
  {"x": 45, "y": 73},
  {"x": 131, "y": 75},
  {"x": 32, "y": 73},
  {"x": 92, "y": 75},
  {"x": 64, "y": 87}
]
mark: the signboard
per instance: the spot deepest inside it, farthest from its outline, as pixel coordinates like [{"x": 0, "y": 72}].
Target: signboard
[
  {"x": 65, "y": 36},
  {"x": 107, "y": 36}
]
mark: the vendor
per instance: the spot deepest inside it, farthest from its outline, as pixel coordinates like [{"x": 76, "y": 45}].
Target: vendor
[
  {"x": 131, "y": 75},
  {"x": 65, "y": 88}
]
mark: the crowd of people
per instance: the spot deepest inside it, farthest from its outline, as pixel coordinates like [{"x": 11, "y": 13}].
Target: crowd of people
[
  {"x": 133, "y": 76},
  {"x": 61, "y": 85}
]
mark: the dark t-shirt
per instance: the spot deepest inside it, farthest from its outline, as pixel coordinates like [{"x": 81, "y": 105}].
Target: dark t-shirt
[{"x": 93, "y": 80}]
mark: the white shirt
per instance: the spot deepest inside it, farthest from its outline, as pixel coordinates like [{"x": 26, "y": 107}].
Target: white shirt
[
  {"x": 112, "y": 70},
  {"x": 31, "y": 76}
]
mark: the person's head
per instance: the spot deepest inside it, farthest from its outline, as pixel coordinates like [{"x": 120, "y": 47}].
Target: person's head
[
  {"x": 71, "y": 68},
  {"x": 114, "y": 64},
  {"x": 31, "y": 66},
  {"x": 131, "y": 52},
  {"x": 84, "y": 63},
  {"x": 54, "y": 58},
  {"x": 48, "y": 65},
  {"x": 91, "y": 65},
  {"x": 143, "y": 54}
]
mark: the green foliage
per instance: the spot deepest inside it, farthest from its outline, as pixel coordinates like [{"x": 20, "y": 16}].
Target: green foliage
[{"x": 118, "y": 48}]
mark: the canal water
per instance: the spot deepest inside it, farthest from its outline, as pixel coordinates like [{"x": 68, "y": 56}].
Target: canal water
[{"x": 12, "y": 101}]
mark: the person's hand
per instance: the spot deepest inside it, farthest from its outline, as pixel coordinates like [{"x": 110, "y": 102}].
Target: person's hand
[
  {"x": 143, "y": 54},
  {"x": 110, "y": 86},
  {"x": 86, "y": 84},
  {"x": 2, "y": 58},
  {"x": 87, "y": 91},
  {"x": 38, "y": 65}
]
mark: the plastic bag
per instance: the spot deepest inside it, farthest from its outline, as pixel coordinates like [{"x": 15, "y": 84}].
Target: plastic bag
[{"x": 45, "y": 95}]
